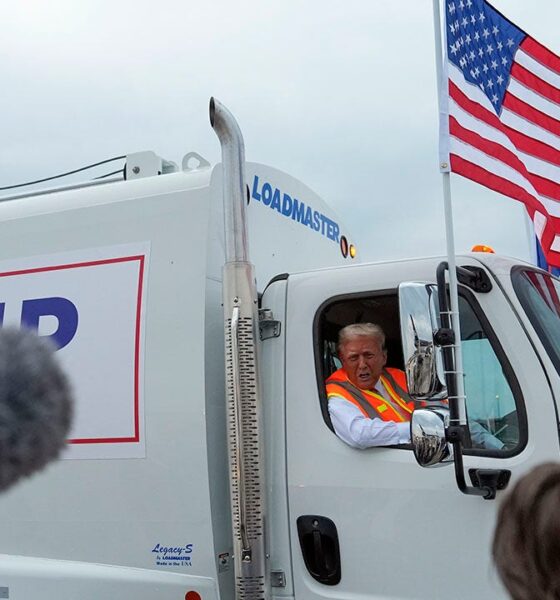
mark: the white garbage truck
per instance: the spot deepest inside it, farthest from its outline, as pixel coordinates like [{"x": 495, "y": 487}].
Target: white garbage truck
[{"x": 196, "y": 311}]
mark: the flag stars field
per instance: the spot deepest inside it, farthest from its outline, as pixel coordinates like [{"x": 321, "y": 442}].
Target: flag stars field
[{"x": 462, "y": 32}]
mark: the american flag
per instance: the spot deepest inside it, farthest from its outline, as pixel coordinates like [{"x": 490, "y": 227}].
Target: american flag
[{"x": 504, "y": 113}]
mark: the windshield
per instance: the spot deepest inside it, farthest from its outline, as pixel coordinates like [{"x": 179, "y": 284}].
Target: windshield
[{"x": 539, "y": 293}]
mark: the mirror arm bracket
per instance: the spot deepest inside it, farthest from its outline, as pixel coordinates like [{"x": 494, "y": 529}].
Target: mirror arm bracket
[
  {"x": 492, "y": 479},
  {"x": 444, "y": 337},
  {"x": 475, "y": 278},
  {"x": 454, "y": 434}
]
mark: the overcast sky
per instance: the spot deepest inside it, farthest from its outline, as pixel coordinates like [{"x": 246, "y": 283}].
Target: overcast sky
[{"x": 341, "y": 95}]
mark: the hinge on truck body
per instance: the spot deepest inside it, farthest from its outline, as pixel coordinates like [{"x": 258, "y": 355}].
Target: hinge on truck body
[
  {"x": 278, "y": 579},
  {"x": 268, "y": 326}
]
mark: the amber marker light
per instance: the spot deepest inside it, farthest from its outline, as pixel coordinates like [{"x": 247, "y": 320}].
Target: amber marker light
[
  {"x": 353, "y": 251},
  {"x": 482, "y": 248}
]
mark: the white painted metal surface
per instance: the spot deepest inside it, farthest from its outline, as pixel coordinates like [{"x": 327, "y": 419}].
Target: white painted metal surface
[{"x": 68, "y": 580}]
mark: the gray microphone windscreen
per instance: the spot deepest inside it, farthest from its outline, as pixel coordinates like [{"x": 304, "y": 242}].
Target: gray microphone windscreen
[{"x": 35, "y": 405}]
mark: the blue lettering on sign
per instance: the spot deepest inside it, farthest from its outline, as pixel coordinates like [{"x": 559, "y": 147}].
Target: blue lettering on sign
[
  {"x": 295, "y": 209},
  {"x": 266, "y": 193},
  {"x": 62, "y": 309},
  {"x": 287, "y": 204}
]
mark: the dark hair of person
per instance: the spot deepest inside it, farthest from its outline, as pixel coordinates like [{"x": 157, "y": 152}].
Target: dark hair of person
[{"x": 526, "y": 546}]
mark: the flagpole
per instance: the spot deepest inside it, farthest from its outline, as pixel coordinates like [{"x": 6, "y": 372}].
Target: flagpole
[{"x": 441, "y": 73}]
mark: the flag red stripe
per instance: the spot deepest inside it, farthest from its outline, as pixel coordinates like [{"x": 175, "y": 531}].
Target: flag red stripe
[
  {"x": 543, "y": 186},
  {"x": 473, "y": 107},
  {"x": 528, "y": 112},
  {"x": 487, "y": 146},
  {"x": 541, "y": 54},
  {"x": 535, "y": 83},
  {"x": 533, "y": 147},
  {"x": 477, "y": 173},
  {"x": 521, "y": 141}
]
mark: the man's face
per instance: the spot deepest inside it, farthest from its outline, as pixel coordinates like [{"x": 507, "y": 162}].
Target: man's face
[{"x": 363, "y": 360}]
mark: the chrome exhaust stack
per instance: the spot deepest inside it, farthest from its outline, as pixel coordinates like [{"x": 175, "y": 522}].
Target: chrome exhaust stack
[
  {"x": 233, "y": 173},
  {"x": 244, "y": 407}
]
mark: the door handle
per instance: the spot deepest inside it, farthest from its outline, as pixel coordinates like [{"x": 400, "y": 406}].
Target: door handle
[{"x": 318, "y": 540}]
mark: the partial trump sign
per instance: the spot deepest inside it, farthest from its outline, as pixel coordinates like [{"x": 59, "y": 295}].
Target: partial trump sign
[{"x": 90, "y": 304}]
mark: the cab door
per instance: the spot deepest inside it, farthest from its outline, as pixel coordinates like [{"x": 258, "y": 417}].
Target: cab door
[{"x": 391, "y": 528}]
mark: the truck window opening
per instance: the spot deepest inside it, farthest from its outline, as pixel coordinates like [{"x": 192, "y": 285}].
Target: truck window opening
[{"x": 494, "y": 406}]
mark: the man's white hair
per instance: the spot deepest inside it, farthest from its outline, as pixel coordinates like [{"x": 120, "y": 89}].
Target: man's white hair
[{"x": 360, "y": 330}]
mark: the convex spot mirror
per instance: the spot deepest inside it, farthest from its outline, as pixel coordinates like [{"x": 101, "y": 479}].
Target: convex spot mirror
[
  {"x": 422, "y": 358},
  {"x": 429, "y": 442}
]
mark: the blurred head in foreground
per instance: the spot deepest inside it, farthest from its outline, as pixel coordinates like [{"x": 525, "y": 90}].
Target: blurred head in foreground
[
  {"x": 526, "y": 547},
  {"x": 35, "y": 405}
]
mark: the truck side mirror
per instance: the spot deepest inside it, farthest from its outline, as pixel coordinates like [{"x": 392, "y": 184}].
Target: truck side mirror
[
  {"x": 429, "y": 443},
  {"x": 422, "y": 358}
]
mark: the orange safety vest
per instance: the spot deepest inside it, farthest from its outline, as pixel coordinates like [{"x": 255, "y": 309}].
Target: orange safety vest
[{"x": 372, "y": 404}]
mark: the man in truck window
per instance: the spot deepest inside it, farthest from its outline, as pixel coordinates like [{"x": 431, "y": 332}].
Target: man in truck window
[{"x": 369, "y": 403}]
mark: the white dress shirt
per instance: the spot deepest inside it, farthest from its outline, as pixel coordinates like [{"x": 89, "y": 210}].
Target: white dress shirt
[{"x": 358, "y": 431}]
